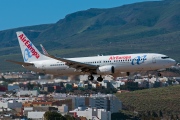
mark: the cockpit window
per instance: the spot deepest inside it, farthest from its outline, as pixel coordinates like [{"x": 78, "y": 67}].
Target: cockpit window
[{"x": 165, "y": 57}]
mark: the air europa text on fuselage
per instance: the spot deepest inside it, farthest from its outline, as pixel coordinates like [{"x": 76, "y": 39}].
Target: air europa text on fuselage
[
  {"x": 119, "y": 57},
  {"x": 27, "y": 43}
]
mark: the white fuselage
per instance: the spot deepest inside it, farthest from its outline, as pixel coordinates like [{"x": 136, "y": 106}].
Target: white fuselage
[{"x": 121, "y": 63}]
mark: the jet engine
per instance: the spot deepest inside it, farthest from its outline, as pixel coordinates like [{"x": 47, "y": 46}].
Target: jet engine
[{"x": 108, "y": 69}]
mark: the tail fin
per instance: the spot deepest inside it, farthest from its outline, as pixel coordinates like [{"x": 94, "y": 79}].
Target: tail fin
[
  {"x": 44, "y": 50},
  {"x": 29, "y": 51}
]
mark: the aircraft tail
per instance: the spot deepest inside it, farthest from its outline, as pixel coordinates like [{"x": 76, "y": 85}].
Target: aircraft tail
[{"x": 29, "y": 51}]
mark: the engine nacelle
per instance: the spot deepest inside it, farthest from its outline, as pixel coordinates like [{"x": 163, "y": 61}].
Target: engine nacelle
[{"x": 108, "y": 69}]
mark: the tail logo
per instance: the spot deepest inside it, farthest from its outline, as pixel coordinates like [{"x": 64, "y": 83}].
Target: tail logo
[
  {"x": 138, "y": 60},
  {"x": 30, "y": 51},
  {"x": 27, "y": 54}
]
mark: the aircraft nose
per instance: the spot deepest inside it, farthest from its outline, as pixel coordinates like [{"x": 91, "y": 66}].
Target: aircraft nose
[{"x": 173, "y": 62}]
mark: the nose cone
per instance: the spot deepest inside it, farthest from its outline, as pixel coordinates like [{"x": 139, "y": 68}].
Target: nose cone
[{"x": 172, "y": 62}]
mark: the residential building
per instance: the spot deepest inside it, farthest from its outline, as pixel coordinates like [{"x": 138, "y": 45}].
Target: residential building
[
  {"x": 78, "y": 102},
  {"x": 36, "y": 115},
  {"x": 12, "y": 104},
  {"x": 63, "y": 108},
  {"x": 52, "y": 102},
  {"x": 19, "y": 99},
  {"x": 39, "y": 109},
  {"x": 28, "y": 92},
  {"x": 49, "y": 89},
  {"x": 108, "y": 102},
  {"x": 106, "y": 84},
  {"x": 92, "y": 113},
  {"x": 14, "y": 87}
]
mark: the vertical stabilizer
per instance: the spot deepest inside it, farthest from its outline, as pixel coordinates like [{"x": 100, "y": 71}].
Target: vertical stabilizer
[{"x": 29, "y": 51}]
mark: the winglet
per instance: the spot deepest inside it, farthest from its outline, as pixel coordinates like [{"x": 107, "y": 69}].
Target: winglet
[{"x": 44, "y": 50}]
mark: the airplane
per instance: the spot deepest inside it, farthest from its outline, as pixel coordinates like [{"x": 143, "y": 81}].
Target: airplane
[{"x": 95, "y": 65}]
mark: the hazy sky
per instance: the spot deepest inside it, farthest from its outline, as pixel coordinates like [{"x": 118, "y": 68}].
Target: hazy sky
[{"x": 19, "y": 13}]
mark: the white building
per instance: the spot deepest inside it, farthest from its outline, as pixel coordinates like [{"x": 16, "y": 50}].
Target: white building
[
  {"x": 36, "y": 115},
  {"x": 63, "y": 108},
  {"x": 115, "y": 84},
  {"x": 102, "y": 114},
  {"x": 28, "y": 92},
  {"x": 106, "y": 84},
  {"x": 19, "y": 99},
  {"x": 26, "y": 110},
  {"x": 42, "y": 109},
  {"x": 11, "y": 104},
  {"x": 111, "y": 84},
  {"x": 92, "y": 113}
]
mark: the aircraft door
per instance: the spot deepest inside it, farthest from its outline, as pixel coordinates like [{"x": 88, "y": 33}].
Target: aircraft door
[{"x": 154, "y": 59}]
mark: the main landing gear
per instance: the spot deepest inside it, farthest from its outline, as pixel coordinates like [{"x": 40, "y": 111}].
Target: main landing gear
[
  {"x": 128, "y": 73},
  {"x": 90, "y": 77},
  {"x": 159, "y": 74},
  {"x": 99, "y": 79}
]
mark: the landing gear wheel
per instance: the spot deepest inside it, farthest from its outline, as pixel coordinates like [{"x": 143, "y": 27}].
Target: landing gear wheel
[
  {"x": 128, "y": 73},
  {"x": 90, "y": 77},
  {"x": 100, "y": 79},
  {"x": 159, "y": 74}
]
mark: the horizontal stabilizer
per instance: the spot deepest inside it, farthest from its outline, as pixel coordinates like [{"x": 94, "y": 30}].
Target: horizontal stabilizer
[{"x": 20, "y": 63}]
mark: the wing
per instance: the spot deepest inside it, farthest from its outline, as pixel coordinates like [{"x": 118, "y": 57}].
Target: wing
[
  {"x": 83, "y": 67},
  {"x": 20, "y": 63}
]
